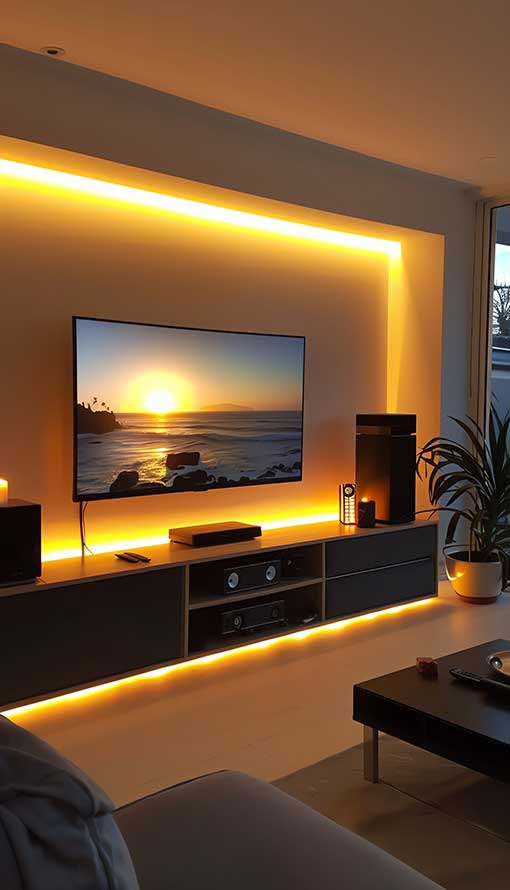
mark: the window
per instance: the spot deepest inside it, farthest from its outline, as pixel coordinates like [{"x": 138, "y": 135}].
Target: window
[
  {"x": 499, "y": 323},
  {"x": 490, "y": 355}
]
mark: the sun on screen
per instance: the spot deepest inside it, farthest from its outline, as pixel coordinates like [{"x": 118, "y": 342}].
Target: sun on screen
[
  {"x": 160, "y": 401},
  {"x": 157, "y": 392}
]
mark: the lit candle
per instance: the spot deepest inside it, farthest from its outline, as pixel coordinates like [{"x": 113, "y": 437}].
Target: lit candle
[
  {"x": 366, "y": 513},
  {"x": 4, "y": 492}
]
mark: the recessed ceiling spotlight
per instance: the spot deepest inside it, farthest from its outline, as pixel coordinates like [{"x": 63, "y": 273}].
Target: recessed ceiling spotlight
[{"x": 53, "y": 51}]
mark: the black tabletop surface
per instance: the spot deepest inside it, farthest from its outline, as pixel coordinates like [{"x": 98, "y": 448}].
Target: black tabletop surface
[{"x": 453, "y": 701}]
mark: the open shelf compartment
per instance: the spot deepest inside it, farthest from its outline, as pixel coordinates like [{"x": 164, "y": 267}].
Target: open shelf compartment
[
  {"x": 302, "y": 607},
  {"x": 300, "y": 566}
]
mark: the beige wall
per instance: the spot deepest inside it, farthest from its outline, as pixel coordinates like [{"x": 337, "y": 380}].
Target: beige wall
[
  {"x": 72, "y": 108},
  {"x": 68, "y": 254}
]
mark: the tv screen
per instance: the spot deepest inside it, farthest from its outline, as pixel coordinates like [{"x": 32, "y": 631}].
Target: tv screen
[{"x": 166, "y": 409}]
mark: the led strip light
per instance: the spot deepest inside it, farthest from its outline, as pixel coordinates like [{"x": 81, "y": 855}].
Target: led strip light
[
  {"x": 199, "y": 210},
  {"x": 204, "y": 660}
]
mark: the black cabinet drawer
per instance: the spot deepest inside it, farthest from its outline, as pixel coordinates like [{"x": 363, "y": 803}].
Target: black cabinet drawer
[
  {"x": 65, "y": 636},
  {"x": 380, "y": 587},
  {"x": 377, "y": 550}
]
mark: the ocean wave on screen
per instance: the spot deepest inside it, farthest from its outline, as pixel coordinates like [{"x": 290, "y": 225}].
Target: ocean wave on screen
[
  {"x": 246, "y": 445},
  {"x": 146, "y": 437}
]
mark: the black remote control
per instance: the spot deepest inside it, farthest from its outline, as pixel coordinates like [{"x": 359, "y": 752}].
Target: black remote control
[
  {"x": 138, "y": 556},
  {"x": 127, "y": 557},
  {"x": 477, "y": 680}
]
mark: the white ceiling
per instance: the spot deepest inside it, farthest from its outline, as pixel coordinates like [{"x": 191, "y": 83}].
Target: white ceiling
[{"x": 423, "y": 84}]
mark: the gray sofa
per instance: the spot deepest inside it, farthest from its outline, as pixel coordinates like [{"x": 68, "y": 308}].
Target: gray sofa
[
  {"x": 59, "y": 830},
  {"x": 231, "y": 832}
]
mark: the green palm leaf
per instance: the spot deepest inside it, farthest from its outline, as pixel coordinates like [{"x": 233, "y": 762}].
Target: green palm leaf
[{"x": 471, "y": 480}]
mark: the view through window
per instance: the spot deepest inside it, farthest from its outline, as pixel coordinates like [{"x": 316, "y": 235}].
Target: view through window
[{"x": 500, "y": 364}]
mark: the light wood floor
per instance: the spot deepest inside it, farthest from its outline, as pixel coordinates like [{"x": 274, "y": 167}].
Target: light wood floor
[{"x": 268, "y": 712}]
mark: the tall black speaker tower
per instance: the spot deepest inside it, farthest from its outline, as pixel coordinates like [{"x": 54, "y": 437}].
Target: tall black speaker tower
[{"x": 385, "y": 464}]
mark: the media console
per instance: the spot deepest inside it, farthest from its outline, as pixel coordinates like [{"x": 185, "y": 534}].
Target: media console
[{"x": 94, "y": 619}]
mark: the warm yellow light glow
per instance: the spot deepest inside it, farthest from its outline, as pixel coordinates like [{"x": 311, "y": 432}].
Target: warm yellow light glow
[
  {"x": 4, "y": 492},
  {"x": 110, "y": 545},
  {"x": 157, "y": 392},
  {"x": 160, "y": 402},
  {"x": 14, "y": 170},
  {"x": 292, "y": 521},
  {"x": 364, "y": 500},
  {"x": 215, "y": 657}
]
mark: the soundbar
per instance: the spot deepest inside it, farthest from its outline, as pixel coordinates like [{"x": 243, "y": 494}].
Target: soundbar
[
  {"x": 249, "y": 577},
  {"x": 214, "y": 533}
]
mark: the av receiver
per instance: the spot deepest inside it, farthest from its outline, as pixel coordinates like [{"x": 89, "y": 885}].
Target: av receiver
[
  {"x": 250, "y": 618},
  {"x": 248, "y": 577}
]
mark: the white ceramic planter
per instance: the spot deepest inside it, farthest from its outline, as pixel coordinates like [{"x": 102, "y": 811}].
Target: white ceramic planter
[{"x": 475, "y": 582}]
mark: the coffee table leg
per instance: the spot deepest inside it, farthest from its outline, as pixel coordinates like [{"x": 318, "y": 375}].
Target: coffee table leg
[{"x": 371, "y": 754}]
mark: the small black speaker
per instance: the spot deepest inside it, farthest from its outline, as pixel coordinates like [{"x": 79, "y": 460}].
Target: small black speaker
[
  {"x": 251, "y": 618},
  {"x": 293, "y": 567},
  {"x": 385, "y": 464},
  {"x": 258, "y": 574},
  {"x": 20, "y": 542}
]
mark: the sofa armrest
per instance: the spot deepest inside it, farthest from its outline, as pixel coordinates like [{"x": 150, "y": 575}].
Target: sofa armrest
[
  {"x": 9, "y": 872},
  {"x": 228, "y": 830}
]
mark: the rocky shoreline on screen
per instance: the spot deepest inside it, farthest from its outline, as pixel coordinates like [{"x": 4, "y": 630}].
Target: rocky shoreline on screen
[
  {"x": 128, "y": 481},
  {"x": 96, "y": 422}
]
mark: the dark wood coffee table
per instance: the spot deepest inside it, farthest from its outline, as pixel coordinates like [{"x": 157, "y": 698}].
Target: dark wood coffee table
[{"x": 448, "y": 717}]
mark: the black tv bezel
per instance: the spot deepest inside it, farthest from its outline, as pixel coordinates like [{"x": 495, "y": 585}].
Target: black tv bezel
[{"x": 108, "y": 496}]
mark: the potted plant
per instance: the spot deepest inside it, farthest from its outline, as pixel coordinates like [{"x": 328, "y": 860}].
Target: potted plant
[{"x": 472, "y": 482}]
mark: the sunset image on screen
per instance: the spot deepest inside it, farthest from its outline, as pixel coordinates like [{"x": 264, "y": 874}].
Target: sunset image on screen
[{"x": 161, "y": 409}]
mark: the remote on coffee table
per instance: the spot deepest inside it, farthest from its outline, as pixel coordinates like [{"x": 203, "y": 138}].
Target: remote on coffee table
[{"x": 465, "y": 723}]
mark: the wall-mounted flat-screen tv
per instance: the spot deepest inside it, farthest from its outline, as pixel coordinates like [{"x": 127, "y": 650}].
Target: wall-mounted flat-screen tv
[{"x": 162, "y": 409}]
